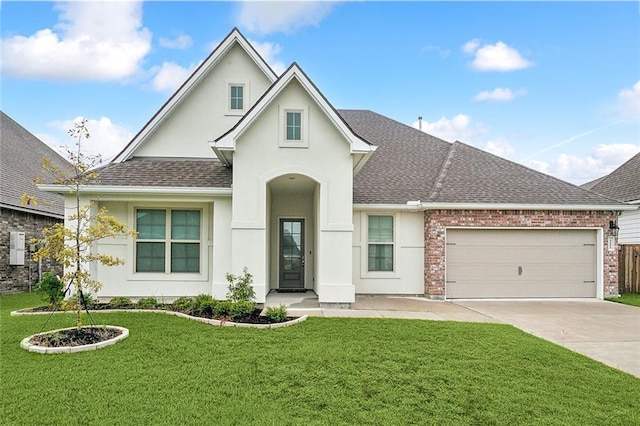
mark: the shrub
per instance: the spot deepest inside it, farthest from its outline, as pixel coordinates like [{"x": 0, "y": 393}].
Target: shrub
[
  {"x": 241, "y": 309},
  {"x": 240, "y": 287},
  {"x": 120, "y": 302},
  {"x": 222, "y": 308},
  {"x": 183, "y": 304},
  {"x": 50, "y": 288},
  {"x": 203, "y": 305},
  {"x": 276, "y": 313},
  {"x": 147, "y": 303},
  {"x": 72, "y": 303}
]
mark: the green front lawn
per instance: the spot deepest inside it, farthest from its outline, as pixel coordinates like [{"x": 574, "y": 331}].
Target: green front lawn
[
  {"x": 627, "y": 298},
  {"x": 324, "y": 371}
]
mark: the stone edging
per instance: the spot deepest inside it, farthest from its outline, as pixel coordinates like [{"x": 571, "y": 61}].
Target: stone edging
[
  {"x": 24, "y": 344},
  {"x": 181, "y": 315}
]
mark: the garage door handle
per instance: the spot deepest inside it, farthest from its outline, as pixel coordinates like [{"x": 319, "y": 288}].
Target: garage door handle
[{"x": 519, "y": 270}]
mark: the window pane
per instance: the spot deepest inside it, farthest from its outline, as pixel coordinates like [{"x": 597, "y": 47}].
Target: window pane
[
  {"x": 381, "y": 229},
  {"x": 149, "y": 257},
  {"x": 150, "y": 224},
  {"x": 237, "y": 95},
  {"x": 294, "y": 120},
  {"x": 380, "y": 257},
  {"x": 185, "y": 257},
  {"x": 185, "y": 224}
]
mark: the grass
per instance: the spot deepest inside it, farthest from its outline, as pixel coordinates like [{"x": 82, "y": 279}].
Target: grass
[
  {"x": 325, "y": 371},
  {"x": 627, "y": 299}
]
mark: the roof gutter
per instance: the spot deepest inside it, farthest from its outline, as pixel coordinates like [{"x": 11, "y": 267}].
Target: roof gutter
[
  {"x": 420, "y": 206},
  {"x": 143, "y": 190},
  {"x": 31, "y": 211}
]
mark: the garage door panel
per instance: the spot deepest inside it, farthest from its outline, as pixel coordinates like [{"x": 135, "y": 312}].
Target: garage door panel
[
  {"x": 520, "y": 263},
  {"x": 471, "y": 255}
]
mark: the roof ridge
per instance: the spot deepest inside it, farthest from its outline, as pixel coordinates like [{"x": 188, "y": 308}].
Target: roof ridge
[{"x": 443, "y": 172}]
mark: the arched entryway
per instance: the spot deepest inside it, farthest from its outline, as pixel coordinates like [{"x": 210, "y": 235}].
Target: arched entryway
[{"x": 291, "y": 230}]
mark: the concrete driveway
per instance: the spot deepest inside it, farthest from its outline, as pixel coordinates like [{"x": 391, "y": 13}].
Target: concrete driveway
[{"x": 605, "y": 331}]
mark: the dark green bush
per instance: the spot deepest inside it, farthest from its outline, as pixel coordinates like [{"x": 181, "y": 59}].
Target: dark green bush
[
  {"x": 241, "y": 309},
  {"x": 240, "y": 287},
  {"x": 203, "y": 305},
  {"x": 183, "y": 304},
  {"x": 222, "y": 308},
  {"x": 120, "y": 302},
  {"x": 50, "y": 288},
  {"x": 72, "y": 303},
  {"x": 147, "y": 303},
  {"x": 276, "y": 313}
]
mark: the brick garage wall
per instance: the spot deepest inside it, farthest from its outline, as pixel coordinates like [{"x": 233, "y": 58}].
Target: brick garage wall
[
  {"x": 436, "y": 221},
  {"x": 14, "y": 279}
]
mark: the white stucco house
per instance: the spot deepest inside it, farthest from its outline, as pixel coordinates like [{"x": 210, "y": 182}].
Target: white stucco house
[{"x": 245, "y": 168}]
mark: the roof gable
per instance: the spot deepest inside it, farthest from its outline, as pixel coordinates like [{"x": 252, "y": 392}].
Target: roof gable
[
  {"x": 225, "y": 145},
  {"x": 623, "y": 183},
  {"x": 232, "y": 39},
  {"x": 21, "y": 163}
]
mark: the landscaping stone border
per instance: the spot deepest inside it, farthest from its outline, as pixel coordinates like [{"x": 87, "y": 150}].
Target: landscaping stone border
[
  {"x": 24, "y": 344},
  {"x": 181, "y": 315}
]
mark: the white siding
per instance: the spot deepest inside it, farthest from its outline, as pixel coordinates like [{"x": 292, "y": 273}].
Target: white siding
[
  {"x": 204, "y": 114},
  {"x": 408, "y": 274},
  {"x": 629, "y": 224}
]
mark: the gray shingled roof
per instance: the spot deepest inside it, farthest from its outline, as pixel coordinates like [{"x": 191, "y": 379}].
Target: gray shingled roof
[
  {"x": 404, "y": 167},
  {"x": 623, "y": 183},
  {"x": 187, "y": 173},
  {"x": 475, "y": 176},
  {"x": 408, "y": 165},
  {"x": 411, "y": 165},
  {"x": 21, "y": 155}
]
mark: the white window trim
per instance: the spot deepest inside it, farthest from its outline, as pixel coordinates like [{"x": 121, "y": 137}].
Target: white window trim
[
  {"x": 366, "y": 273},
  {"x": 204, "y": 242},
  {"x": 304, "y": 127},
  {"x": 246, "y": 98}
]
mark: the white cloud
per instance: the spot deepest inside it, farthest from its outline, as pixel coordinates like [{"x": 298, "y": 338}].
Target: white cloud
[
  {"x": 266, "y": 17},
  {"x": 444, "y": 53},
  {"x": 500, "y": 147},
  {"x": 169, "y": 76},
  {"x": 495, "y": 57},
  {"x": 269, "y": 51},
  {"x": 499, "y": 94},
  {"x": 459, "y": 127},
  {"x": 471, "y": 46},
  {"x": 106, "y": 138},
  {"x": 92, "y": 41},
  {"x": 581, "y": 169},
  {"x": 629, "y": 101},
  {"x": 182, "y": 41}
]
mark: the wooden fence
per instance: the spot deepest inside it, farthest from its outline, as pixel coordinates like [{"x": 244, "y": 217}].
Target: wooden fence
[{"x": 629, "y": 269}]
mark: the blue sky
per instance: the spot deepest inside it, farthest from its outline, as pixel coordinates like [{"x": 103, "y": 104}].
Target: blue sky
[{"x": 554, "y": 86}]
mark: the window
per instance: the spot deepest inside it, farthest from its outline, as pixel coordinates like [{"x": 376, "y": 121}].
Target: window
[
  {"x": 294, "y": 126},
  {"x": 237, "y": 97},
  {"x": 380, "y": 243},
  {"x": 168, "y": 240}
]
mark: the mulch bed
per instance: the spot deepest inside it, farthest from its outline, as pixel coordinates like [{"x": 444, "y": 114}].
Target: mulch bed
[
  {"x": 254, "y": 318},
  {"x": 75, "y": 337}
]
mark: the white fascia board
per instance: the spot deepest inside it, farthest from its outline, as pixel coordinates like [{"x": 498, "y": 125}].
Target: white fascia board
[
  {"x": 634, "y": 202},
  {"x": 487, "y": 206},
  {"x": 141, "y": 190},
  {"x": 228, "y": 141},
  {"x": 192, "y": 82}
]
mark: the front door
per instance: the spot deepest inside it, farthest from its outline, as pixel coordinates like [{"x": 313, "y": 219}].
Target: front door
[{"x": 291, "y": 254}]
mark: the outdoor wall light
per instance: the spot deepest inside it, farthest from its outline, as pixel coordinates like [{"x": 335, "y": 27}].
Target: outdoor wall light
[{"x": 613, "y": 226}]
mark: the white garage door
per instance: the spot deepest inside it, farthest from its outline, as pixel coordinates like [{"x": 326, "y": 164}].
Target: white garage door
[{"x": 494, "y": 263}]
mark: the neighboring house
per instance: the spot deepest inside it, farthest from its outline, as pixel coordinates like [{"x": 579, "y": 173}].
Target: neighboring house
[
  {"x": 623, "y": 184},
  {"x": 242, "y": 168},
  {"x": 21, "y": 155}
]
